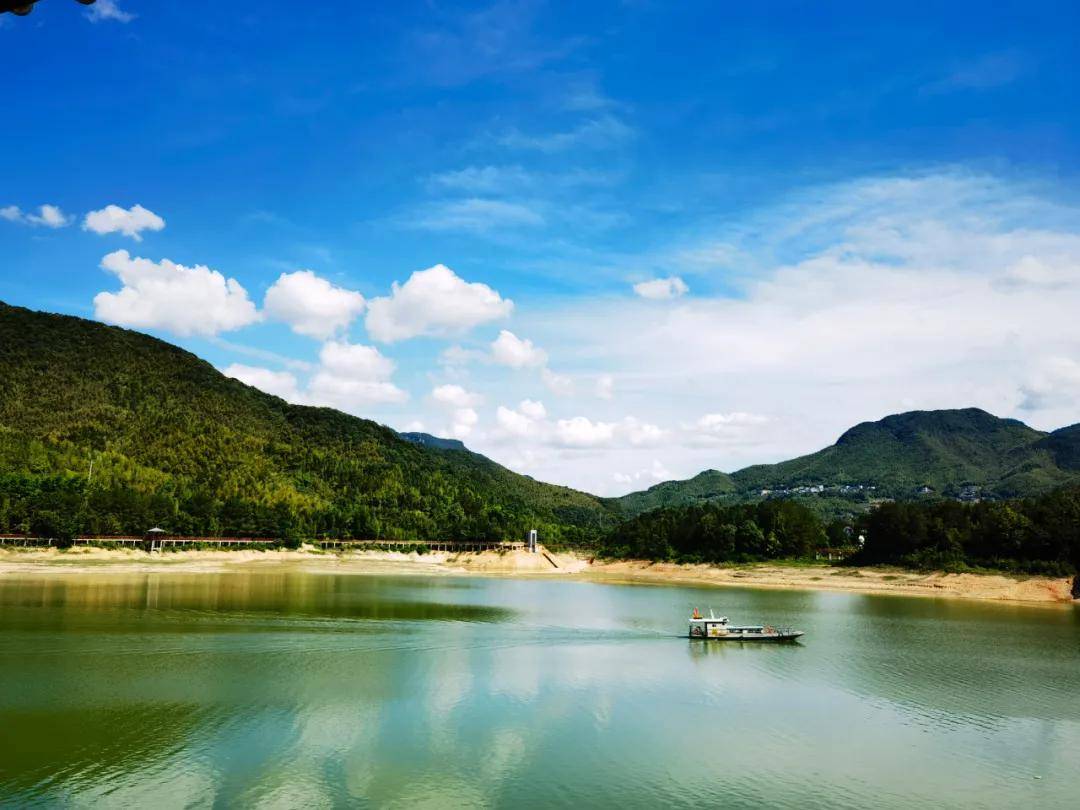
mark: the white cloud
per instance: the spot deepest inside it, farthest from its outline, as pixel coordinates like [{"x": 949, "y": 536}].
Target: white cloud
[
  {"x": 662, "y": 289},
  {"x": 1043, "y": 271},
  {"x": 640, "y": 433},
  {"x": 724, "y": 427},
  {"x": 434, "y": 302},
  {"x": 455, "y": 396},
  {"x": 129, "y": 222},
  {"x": 311, "y": 305},
  {"x": 583, "y": 432},
  {"x": 47, "y": 216},
  {"x": 605, "y": 386},
  {"x": 533, "y": 409},
  {"x": 164, "y": 295},
  {"x": 465, "y": 419},
  {"x": 477, "y": 215},
  {"x": 510, "y": 350},
  {"x": 279, "y": 383},
  {"x": 415, "y": 426},
  {"x": 527, "y": 420},
  {"x": 513, "y": 422},
  {"x": 108, "y": 10},
  {"x": 351, "y": 376},
  {"x": 1054, "y": 384},
  {"x": 559, "y": 384}
]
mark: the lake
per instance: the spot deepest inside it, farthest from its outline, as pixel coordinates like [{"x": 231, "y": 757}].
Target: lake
[{"x": 299, "y": 689}]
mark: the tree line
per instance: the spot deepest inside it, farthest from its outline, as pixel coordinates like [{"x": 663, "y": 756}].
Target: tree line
[{"x": 1035, "y": 535}]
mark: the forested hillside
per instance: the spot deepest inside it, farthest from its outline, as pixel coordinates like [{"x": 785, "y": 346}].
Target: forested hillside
[
  {"x": 1035, "y": 535},
  {"x": 713, "y": 533},
  {"x": 175, "y": 443},
  {"x": 1039, "y": 535},
  {"x": 942, "y": 454}
]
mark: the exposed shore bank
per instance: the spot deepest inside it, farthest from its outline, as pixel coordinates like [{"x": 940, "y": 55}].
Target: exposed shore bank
[{"x": 988, "y": 587}]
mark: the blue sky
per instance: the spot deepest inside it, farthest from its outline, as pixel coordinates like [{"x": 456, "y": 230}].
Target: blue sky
[{"x": 715, "y": 233}]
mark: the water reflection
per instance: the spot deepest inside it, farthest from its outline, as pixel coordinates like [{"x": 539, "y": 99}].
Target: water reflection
[{"x": 317, "y": 690}]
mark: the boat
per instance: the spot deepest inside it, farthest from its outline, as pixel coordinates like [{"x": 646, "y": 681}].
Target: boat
[{"x": 719, "y": 628}]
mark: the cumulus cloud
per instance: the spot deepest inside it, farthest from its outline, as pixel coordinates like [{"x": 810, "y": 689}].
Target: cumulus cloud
[
  {"x": 127, "y": 221},
  {"x": 47, "y": 216},
  {"x": 528, "y": 419},
  {"x": 724, "y": 427},
  {"x": 510, "y": 350},
  {"x": 662, "y": 289},
  {"x": 279, "y": 383},
  {"x": 640, "y": 433},
  {"x": 348, "y": 377},
  {"x": 581, "y": 431},
  {"x": 533, "y": 409},
  {"x": 311, "y": 305},
  {"x": 165, "y": 295},
  {"x": 351, "y": 376},
  {"x": 465, "y": 420},
  {"x": 455, "y": 396},
  {"x": 434, "y": 302},
  {"x": 514, "y": 423}
]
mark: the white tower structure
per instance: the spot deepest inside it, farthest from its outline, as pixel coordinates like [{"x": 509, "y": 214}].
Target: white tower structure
[{"x": 532, "y": 540}]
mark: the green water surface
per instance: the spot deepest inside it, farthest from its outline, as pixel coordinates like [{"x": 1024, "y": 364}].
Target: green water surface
[{"x": 314, "y": 690}]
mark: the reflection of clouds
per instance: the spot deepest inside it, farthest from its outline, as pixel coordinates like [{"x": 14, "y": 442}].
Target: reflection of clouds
[
  {"x": 296, "y": 791},
  {"x": 155, "y": 784},
  {"x": 602, "y": 710},
  {"x": 447, "y": 683},
  {"x": 440, "y": 791},
  {"x": 516, "y": 671},
  {"x": 585, "y": 693},
  {"x": 506, "y": 752}
]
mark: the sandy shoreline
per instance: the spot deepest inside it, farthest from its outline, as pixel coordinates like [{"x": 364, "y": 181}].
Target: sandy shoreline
[{"x": 987, "y": 587}]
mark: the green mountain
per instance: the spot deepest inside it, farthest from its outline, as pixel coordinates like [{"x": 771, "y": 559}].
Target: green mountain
[
  {"x": 427, "y": 440},
  {"x": 1063, "y": 445},
  {"x": 704, "y": 487},
  {"x": 952, "y": 453},
  {"x": 176, "y": 443}
]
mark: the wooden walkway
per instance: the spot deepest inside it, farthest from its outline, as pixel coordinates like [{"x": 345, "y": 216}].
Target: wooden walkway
[
  {"x": 431, "y": 545},
  {"x": 160, "y": 542},
  {"x": 21, "y": 540}
]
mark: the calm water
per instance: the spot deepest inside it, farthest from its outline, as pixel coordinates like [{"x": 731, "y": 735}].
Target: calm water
[{"x": 309, "y": 690}]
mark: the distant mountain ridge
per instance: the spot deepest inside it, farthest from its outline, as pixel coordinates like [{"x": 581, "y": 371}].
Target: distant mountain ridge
[
  {"x": 427, "y": 440},
  {"x": 173, "y": 441},
  {"x": 947, "y": 452}
]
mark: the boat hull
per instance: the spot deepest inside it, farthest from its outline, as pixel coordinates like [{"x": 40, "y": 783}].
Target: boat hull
[{"x": 748, "y": 637}]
